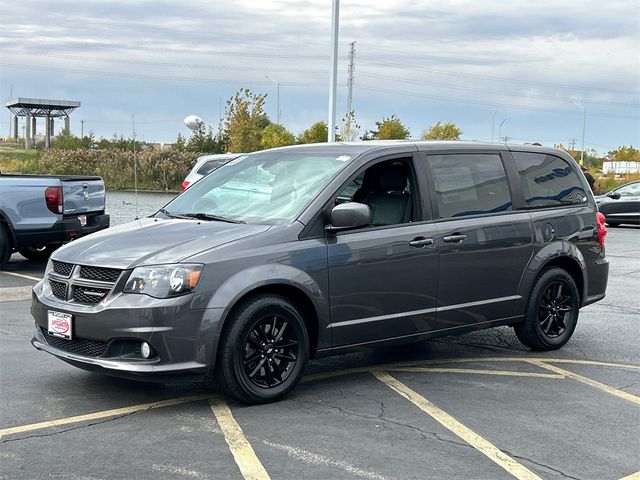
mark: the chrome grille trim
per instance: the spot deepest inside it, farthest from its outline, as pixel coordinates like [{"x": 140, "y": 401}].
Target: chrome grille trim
[{"x": 85, "y": 285}]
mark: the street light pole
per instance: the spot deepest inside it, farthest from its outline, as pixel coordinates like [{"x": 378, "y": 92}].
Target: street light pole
[
  {"x": 333, "y": 77},
  {"x": 493, "y": 124},
  {"x": 500, "y": 129},
  {"x": 584, "y": 127},
  {"x": 277, "y": 97}
]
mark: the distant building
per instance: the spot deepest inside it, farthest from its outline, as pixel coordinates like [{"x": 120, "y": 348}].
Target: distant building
[{"x": 620, "y": 168}]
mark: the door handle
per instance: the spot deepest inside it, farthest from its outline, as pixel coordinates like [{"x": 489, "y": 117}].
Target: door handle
[
  {"x": 457, "y": 238},
  {"x": 419, "y": 242}
]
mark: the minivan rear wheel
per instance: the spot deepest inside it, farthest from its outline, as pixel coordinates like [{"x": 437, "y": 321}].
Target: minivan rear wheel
[
  {"x": 263, "y": 350},
  {"x": 552, "y": 311}
]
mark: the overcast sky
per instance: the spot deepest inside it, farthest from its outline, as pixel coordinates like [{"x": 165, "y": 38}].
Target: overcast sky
[{"x": 468, "y": 62}]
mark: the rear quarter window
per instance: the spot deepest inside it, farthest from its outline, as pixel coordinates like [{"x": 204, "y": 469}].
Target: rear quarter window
[
  {"x": 548, "y": 181},
  {"x": 469, "y": 184},
  {"x": 210, "y": 165}
]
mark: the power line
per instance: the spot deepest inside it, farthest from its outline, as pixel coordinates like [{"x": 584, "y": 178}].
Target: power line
[
  {"x": 164, "y": 64},
  {"x": 494, "y": 78},
  {"x": 492, "y": 104},
  {"x": 159, "y": 77},
  {"x": 496, "y": 92},
  {"x": 122, "y": 46}
]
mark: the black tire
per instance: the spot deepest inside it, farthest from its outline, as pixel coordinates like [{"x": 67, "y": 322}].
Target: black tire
[
  {"x": 263, "y": 350},
  {"x": 552, "y": 311},
  {"x": 38, "y": 254},
  {"x": 5, "y": 245}
]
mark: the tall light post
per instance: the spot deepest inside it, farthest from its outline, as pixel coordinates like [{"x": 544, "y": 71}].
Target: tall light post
[
  {"x": 333, "y": 76},
  {"x": 493, "y": 124},
  {"x": 584, "y": 126},
  {"x": 500, "y": 129},
  {"x": 277, "y": 96}
]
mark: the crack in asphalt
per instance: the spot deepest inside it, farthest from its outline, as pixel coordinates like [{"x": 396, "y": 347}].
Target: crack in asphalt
[
  {"x": 519, "y": 457},
  {"x": 78, "y": 427},
  {"x": 423, "y": 433}
]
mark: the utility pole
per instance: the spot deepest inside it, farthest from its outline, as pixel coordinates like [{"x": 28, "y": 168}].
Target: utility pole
[
  {"x": 493, "y": 124},
  {"x": 351, "y": 71},
  {"x": 584, "y": 125},
  {"x": 11, "y": 133},
  {"x": 333, "y": 77},
  {"x": 81, "y": 129},
  {"x": 572, "y": 141},
  {"x": 277, "y": 97},
  {"x": 349, "y": 117}
]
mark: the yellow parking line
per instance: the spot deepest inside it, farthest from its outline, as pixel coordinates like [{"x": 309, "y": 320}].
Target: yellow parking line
[
  {"x": 421, "y": 363},
  {"x": 104, "y": 414},
  {"x": 473, "y": 371},
  {"x": 633, "y": 476},
  {"x": 242, "y": 451},
  {"x": 472, "y": 438},
  {"x": 21, "y": 275},
  {"x": 588, "y": 381}
]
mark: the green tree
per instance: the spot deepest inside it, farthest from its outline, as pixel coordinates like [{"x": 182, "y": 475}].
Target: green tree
[
  {"x": 442, "y": 131},
  {"x": 181, "y": 143},
  {"x": 244, "y": 121},
  {"x": 276, "y": 135},
  {"x": 389, "y": 129},
  {"x": 316, "y": 133},
  {"x": 65, "y": 140},
  {"x": 625, "y": 154}
]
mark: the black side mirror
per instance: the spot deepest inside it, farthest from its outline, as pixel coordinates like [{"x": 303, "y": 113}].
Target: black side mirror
[
  {"x": 614, "y": 195},
  {"x": 349, "y": 215}
]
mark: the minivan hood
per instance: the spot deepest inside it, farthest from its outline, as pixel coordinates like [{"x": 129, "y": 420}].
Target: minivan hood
[{"x": 151, "y": 241}]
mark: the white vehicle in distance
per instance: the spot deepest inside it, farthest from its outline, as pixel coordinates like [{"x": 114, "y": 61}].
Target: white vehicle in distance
[{"x": 207, "y": 164}]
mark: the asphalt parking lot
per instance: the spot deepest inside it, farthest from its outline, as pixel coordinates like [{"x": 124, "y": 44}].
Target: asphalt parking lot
[{"x": 478, "y": 406}]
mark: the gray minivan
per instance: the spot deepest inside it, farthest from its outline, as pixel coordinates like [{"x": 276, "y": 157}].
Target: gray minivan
[{"x": 330, "y": 247}]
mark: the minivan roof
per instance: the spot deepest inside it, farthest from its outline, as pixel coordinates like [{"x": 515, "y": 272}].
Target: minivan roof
[{"x": 368, "y": 146}]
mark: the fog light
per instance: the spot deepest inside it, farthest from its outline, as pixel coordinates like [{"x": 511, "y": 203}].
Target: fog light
[{"x": 145, "y": 350}]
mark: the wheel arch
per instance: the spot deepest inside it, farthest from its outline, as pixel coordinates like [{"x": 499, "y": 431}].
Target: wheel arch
[
  {"x": 285, "y": 281},
  {"x": 5, "y": 220},
  {"x": 567, "y": 257}
]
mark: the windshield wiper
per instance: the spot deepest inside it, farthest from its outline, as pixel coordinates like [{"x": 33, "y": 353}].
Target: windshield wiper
[
  {"x": 169, "y": 214},
  {"x": 210, "y": 217}
]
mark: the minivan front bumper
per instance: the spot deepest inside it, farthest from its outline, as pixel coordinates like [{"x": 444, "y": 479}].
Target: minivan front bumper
[{"x": 106, "y": 337}]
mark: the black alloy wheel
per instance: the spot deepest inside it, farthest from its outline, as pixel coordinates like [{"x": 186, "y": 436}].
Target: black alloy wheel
[
  {"x": 270, "y": 351},
  {"x": 554, "y": 308},
  {"x": 552, "y": 311},
  {"x": 263, "y": 350}
]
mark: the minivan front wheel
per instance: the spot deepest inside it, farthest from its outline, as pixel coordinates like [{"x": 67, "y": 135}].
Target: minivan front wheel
[
  {"x": 552, "y": 311},
  {"x": 263, "y": 350}
]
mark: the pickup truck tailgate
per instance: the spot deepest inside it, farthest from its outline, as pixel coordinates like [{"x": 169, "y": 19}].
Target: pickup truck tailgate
[{"x": 82, "y": 195}]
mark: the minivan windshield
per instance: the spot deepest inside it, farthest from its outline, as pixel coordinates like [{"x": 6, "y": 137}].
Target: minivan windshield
[{"x": 265, "y": 187}]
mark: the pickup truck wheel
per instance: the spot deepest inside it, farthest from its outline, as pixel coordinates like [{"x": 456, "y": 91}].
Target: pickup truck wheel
[
  {"x": 38, "y": 254},
  {"x": 263, "y": 350},
  {"x": 552, "y": 311},
  {"x": 5, "y": 245}
]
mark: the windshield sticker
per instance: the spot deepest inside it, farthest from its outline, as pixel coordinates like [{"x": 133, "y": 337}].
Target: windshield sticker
[{"x": 343, "y": 158}]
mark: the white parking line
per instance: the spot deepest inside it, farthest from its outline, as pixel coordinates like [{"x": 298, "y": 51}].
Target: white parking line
[
  {"x": 465, "y": 433},
  {"x": 21, "y": 275}
]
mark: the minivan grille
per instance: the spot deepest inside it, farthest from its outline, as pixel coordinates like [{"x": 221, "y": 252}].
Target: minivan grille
[
  {"x": 81, "y": 346},
  {"x": 100, "y": 273},
  {"x": 89, "y": 295},
  {"x": 62, "y": 268},
  {"x": 59, "y": 289}
]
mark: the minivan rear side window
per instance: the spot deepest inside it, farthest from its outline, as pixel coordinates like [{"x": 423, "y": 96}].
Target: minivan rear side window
[
  {"x": 469, "y": 184},
  {"x": 548, "y": 181}
]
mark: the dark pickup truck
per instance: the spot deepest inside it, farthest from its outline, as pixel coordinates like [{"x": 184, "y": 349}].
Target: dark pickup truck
[{"x": 38, "y": 213}]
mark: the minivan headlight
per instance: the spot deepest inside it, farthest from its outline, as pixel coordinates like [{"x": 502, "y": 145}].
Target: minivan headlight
[{"x": 164, "y": 281}]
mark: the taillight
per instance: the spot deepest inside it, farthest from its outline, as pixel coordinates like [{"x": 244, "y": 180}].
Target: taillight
[
  {"x": 185, "y": 184},
  {"x": 53, "y": 198},
  {"x": 602, "y": 229}
]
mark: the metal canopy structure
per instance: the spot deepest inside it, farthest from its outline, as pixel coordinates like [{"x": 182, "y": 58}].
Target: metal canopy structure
[{"x": 32, "y": 108}]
